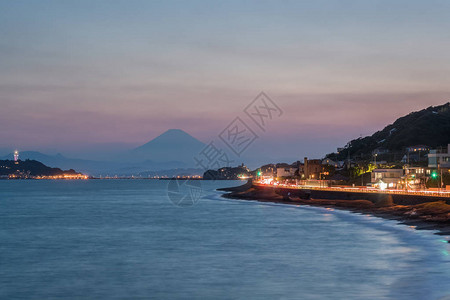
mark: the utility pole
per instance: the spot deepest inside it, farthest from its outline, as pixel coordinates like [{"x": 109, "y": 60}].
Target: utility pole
[
  {"x": 362, "y": 179},
  {"x": 440, "y": 180}
]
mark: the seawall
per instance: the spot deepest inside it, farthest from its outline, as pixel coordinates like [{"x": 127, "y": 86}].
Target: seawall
[{"x": 399, "y": 199}]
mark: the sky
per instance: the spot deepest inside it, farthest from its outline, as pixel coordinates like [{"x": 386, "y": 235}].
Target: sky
[{"x": 79, "y": 77}]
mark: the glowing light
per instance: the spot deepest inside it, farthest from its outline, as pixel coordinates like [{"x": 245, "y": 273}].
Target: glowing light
[
  {"x": 382, "y": 185},
  {"x": 268, "y": 180}
]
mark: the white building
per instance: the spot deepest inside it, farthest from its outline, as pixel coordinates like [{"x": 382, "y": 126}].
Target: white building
[
  {"x": 389, "y": 178},
  {"x": 439, "y": 158}
]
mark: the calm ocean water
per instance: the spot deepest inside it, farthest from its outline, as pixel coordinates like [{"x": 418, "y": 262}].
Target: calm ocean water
[{"x": 124, "y": 239}]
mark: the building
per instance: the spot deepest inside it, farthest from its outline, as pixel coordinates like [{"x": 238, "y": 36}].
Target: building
[
  {"x": 268, "y": 170},
  {"x": 418, "y": 148},
  {"x": 16, "y": 157},
  {"x": 379, "y": 151},
  {"x": 414, "y": 178},
  {"x": 286, "y": 171},
  {"x": 439, "y": 158},
  {"x": 386, "y": 178},
  {"x": 414, "y": 154},
  {"x": 312, "y": 168},
  {"x": 329, "y": 162},
  {"x": 413, "y": 157},
  {"x": 416, "y": 171},
  {"x": 336, "y": 164}
]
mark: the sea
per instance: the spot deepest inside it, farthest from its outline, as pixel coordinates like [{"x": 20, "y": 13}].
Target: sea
[{"x": 166, "y": 239}]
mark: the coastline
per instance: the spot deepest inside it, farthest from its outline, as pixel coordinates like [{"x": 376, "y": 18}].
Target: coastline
[{"x": 426, "y": 216}]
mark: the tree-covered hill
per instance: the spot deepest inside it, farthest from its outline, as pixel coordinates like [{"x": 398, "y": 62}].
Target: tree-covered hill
[
  {"x": 430, "y": 127},
  {"x": 32, "y": 168}
]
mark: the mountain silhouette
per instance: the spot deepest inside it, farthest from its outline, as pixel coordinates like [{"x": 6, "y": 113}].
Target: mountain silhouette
[
  {"x": 174, "y": 149},
  {"x": 174, "y": 145}
]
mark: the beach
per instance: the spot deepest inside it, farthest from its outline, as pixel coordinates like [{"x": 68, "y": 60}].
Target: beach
[{"x": 425, "y": 216}]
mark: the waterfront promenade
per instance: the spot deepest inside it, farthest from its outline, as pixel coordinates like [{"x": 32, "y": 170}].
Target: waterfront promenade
[{"x": 368, "y": 190}]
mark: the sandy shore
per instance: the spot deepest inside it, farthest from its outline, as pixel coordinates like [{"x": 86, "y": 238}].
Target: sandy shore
[{"x": 426, "y": 216}]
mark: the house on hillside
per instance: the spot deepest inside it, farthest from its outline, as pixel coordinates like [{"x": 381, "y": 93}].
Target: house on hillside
[
  {"x": 418, "y": 148},
  {"x": 415, "y": 153},
  {"x": 379, "y": 151},
  {"x": 329, "y": 162},
  {"x": 337, "y": 164},
  {"x": 439, "y": 158}
]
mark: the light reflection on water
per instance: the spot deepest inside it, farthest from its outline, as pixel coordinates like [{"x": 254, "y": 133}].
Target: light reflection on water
[{"x": 124, "y": 239}]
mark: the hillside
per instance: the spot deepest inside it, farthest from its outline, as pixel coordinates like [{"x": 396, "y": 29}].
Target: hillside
[
  {"x": 430, "y": 126},
  {"x": 60, "y": 161},
  {"x": 31, "y": 168}
]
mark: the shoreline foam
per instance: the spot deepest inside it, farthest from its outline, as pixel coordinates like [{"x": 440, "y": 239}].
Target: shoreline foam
[{"x": 425, "y": 216}]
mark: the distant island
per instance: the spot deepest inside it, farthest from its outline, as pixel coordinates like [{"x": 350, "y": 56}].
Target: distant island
[{"x": 32, "y": 169}]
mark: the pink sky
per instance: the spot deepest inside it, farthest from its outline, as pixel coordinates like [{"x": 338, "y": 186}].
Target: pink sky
[{"x": 75, "y": 79}]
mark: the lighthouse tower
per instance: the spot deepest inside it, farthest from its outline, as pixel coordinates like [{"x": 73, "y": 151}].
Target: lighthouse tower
[{"x": 16, "y": 157}]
